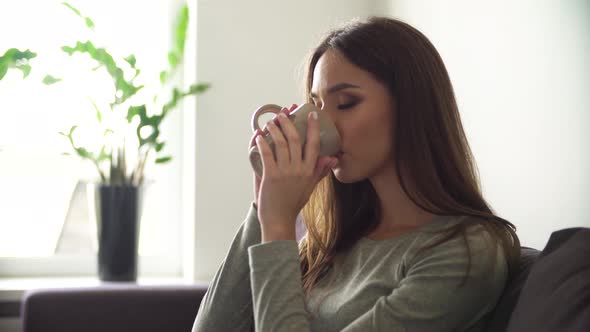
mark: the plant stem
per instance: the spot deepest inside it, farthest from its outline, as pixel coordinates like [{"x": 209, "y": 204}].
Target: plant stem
[
  {"x": 100, "y": 172},
  {"x": 137, "y": 175}
]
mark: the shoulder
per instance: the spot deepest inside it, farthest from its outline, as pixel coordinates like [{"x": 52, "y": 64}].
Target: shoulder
[
  {"x": 474, "y": 250},
  {"x": 455, "y": 283}
]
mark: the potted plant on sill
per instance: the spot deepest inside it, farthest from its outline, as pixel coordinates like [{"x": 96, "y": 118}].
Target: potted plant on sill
[{"x": 118, "y": 192}]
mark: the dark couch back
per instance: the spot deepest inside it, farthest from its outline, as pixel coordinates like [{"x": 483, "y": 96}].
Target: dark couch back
[
  {"x": 500, "y": 317},
  {"x": 112, "y": 308},
  {"x": 551, "y": 289},
  {"x": 556, "y": 294}
]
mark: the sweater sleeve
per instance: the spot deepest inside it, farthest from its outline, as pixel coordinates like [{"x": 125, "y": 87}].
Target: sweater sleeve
[
  {"x": 227, "y": 305},
  {"x": 277, "y": 291},
  {"x": 434, "y": 295}
]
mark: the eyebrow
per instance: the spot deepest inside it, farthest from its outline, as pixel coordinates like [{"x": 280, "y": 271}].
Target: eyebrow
[{"x": 337, "y": 87}]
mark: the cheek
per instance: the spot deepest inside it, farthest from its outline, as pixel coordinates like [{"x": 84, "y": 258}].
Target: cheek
[{"x": 369, "y": 138}]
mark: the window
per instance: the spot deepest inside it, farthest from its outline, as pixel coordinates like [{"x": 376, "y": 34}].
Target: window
[{"x": 46, "y": 226}]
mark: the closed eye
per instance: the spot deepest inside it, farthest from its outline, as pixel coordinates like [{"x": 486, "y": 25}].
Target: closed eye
[{"x": 347, "y": 105}]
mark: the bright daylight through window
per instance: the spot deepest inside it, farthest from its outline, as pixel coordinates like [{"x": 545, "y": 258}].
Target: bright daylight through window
[{"x": 45, "y": 209}]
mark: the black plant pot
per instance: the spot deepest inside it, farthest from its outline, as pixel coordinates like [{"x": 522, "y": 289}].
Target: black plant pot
[{"x": 118, "y": 213}]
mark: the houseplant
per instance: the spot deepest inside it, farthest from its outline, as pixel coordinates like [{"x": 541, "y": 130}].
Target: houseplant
[{"x": 128, "y": 142}]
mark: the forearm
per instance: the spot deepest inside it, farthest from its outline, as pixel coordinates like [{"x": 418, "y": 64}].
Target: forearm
[
  {"x": 277, "y": 290},
  {"x": 227, "y": 305}
]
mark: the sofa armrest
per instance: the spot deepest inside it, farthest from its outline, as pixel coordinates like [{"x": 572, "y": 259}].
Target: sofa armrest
[{"x": 112, "y": 308}]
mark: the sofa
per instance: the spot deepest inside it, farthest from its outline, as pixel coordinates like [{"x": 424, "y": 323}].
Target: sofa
[{"x": 549, "y": 292}]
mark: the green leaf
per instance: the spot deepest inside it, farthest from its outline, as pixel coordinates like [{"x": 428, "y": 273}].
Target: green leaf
[
  {"x": 89, "y": 23},
  {"x": 131, "y": 60},
  {"x": 102, "y": 155},
  {"x": 98, "y": 113},
  {"x": 172, "y": 59},
  {"x": 14, "y": 58},
  {"x": 48, "y": 80},
  {"x": 3, "y": 71},
  {"x": 159, "y": 146},
  {"x": 127, "y": 88},
  {"x": 181, "y": 29},
  {"x": 177, "y": 96},
  {"x": 76, "y": 11},
  {"x": 68, "y": 50},
  {"x": 26, "y": 69},
  {"x": 163, "y": 77},
  {"x": 163, "y": 160},
  {"x": 136, "y": 110},
  {"x": 197, "y": 88},
  {"x": 82, "y": 152},
  {"x": 72, "y": 130},
  {"x": 145, "y": 121}
]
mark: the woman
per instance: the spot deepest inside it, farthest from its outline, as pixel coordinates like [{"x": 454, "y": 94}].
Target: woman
[{"x": 399, "y": 237}]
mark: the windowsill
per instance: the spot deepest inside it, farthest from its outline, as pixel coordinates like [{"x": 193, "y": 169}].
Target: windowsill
[{"x": 12, "y": 289}]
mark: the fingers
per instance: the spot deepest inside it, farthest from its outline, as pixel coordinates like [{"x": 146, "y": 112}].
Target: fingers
[
  {"x": 280, "y": 143},
  {"x": 253, "y": 138},
  {"x": 268, "y": 162},
  {"x": 285, "y": 137},
  {"x": 276, "y": 119},
  {"x": 293, "y": 139},
  {"x": 312, "y": 146}
]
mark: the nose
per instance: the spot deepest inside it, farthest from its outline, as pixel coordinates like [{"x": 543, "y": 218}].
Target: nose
[{"x": 333, "y": 115}]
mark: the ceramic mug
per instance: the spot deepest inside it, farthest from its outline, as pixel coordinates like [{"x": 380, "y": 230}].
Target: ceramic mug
[{"x": 329, "y": 136}]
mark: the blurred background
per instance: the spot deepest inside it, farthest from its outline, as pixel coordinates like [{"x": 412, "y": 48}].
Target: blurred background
[{"x": 520, "y": 70}]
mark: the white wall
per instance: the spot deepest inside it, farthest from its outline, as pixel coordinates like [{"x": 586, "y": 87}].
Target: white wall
[
  {"x": 251, "y": 52},
  {"x": 521, "y": 72}
]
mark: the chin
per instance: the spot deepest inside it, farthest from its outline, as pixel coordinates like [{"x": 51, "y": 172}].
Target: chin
[{"x": 344, "y": 177}]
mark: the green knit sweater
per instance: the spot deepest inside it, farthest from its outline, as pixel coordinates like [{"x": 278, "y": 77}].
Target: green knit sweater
[{"x": 377, "y": 285}]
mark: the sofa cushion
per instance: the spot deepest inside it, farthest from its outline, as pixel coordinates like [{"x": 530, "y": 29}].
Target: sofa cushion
[
  {"x": 498, "y": 321},
  {"x": 113, "y": 308},
  {"x": 556, "y": 294}
]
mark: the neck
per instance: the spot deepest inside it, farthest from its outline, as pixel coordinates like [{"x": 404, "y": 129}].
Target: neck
[{"x": 398, "y": 212}]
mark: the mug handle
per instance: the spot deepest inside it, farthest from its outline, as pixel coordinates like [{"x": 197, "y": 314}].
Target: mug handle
[{"x": 268, "y": 108}]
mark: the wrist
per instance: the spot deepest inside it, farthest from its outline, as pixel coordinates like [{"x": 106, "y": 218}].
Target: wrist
[{"x": 277, "y": 233}]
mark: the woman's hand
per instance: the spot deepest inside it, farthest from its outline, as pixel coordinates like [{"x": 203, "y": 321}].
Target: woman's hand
[
  {"x": 257, "y": 133},
  {"x": 288, "y": 181}
]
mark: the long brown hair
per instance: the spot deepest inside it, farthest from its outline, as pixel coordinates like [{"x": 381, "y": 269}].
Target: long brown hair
[{"x": 431, "y": 149}]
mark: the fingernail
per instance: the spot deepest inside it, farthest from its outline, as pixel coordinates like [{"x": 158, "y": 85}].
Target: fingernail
[
  {"x": 283, "y": 115},
  {"x": 314, "y": 115},
  {"x": 258, "y": 139}
]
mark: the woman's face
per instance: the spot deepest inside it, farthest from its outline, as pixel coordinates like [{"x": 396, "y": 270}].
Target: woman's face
[{"x": 362, "y": 110}]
